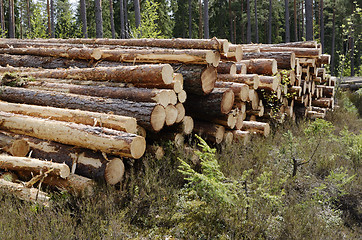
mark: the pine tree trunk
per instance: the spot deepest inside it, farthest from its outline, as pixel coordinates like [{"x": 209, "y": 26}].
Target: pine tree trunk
[
  {"x": 270, "y": 22},
  {"x": 231, "y": 24},
  {"x": 309, "y": 19},
  {"x": 52, "y": 20},
  {"x": 206, "y": 19},
  {"x": 48, "y": 17},
  {"x": 256, "y": 23},
  {"x": 295, "y": 22},
  {"x": 201, "y": 34},
  {"x": 287, "y": 25},
  {"x": 126, "y": 26},
  {"x": 137, "y": 11},
  {"x": 242, "y": 22},
  {"x": 83, "y": 13},
  {"x": 112, "y": 19},
  {"x": 121, "y": 15},
  {"x": 190, "y": 19},
  {"x": 322, "y": 25},
  {"x": 333, "y": 37},
  {"x": 248, "y": 30},
  {"x": 11, "y": 19},
  {"x": 98, "y": 18},
  {"x": 302, "y": 35},
  {"x": 2, "y": 18}
]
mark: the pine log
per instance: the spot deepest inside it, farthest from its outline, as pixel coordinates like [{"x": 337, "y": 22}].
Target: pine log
[
  {"x": 315, "y": 115},
  {"x": 187, "y": 56},
  {"x": 239, "y": 120},
  {"x": 235, "y": 53},
  {"x": 111, "y": 121},
  {"x": 295, "y": 90},
  {"x": 171, "y": 115},
  {"x": 226, "y": 68},
  {"x": 24, "y": 193},
  {"x": 254, "y": 99},
  {"x": 285, "y": 60},
  {"x": 299, "y": 52},
  {"x": 33, "y": 165},
  {"x": 269, "y": 83},
  {"x": 95, "y": 138},
  {"x": 240, "y": 68},
  {"x": 155, "y": 150},
  {"x": 311, "y": 62},
  {"x": 323, "y": 102},
  {"x": 74, "y": 184},
  {"x": 227, "y": 120},
  {"x": 319, "y": 109},
  {"x": 159, "y": 96},
  {"x": 323, "y": 59},
  {"x": 13, "y": 146},
  {"x": 181, "y": 97},
  {"x": 257, "y": 127},
  {"x": 240, "y": 106},
  {"x": 241, "y": 90},
  {"x": 328, "y": 91},
  {"x": 153, "y": 74},
  {"x": 10, "y": 69},
  {"x": 209, "y": 131},
  {"x": 175, "y": 137},
  {"x": 185, "y": 127},
  {"x": 241, "y": 136},
  {"x": 261, "y": 66},
  {"x": 252, "y": 80},
  {"x": 9, "y": 176},
  {"x": 301, "y": 44},
  {"x": 180, "y": 112},
  {"x": 220, "y": 101},
  {"x": 149, "y": 115},
  {"x": 198, "y": 80},
  {"x": 221, "y": 45}
]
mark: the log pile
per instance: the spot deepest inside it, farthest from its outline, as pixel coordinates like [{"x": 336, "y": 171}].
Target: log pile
[{"x": 94, "y": 103}]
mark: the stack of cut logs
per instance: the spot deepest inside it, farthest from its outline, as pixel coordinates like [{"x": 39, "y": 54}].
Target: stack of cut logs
[{"x": 86, "y": 105}]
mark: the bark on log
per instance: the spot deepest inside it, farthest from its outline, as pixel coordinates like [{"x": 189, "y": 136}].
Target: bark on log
[
  {"x": 235, "y": 53},
  {"x": 252, "y": 80},
  {"x": 198, "y": 80},
  {"x": 157, "y": 74},
  {"x": 185, "y": 127},
  {"x": 314, "y": 115},
  {"x": 241, "y": 90},
  {"x": 209, "y": 131},
  {"x": 221, "y": 45},
  {"x": 95, "y": 138},
  {"x": 155, "y": 150},
  {"x": 149, "y": 115},
  {"x": 74, "y": 184},
  {"x": 323, "y": 59},
  {"x": 301, "y": 44},
  {"x": 13, "y": 146},
  {"x": 328, "y": 91},
  {"x": 227, "y": 120},
  {"x": 257, "y": 127},
  {"x": 269, "y": 83},
  {"x": 285, "y": 60},
  {"x": 124, "y": 55},
  {"x": 299, "y": 52},
  {"x": 175, "y": 137},
  {"x": 226, "y": 68},
  {"x": 261, "y": 66},
  {"x": 240, "y": 120},
  {"x": 240, "y": 68},
  {"x": 323, "y": 102},
  {"x": 24, "y": 193},
  {"x": 159, "y": 96},
  {"x": 116, "y": 122},
  {"x": 33, "y": 165},
  {"x": 218, "y": 102},
  {"x": 296, "y": 90}
]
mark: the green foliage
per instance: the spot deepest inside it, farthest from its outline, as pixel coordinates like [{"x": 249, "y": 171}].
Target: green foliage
[
  {"x": 149, "y": 17},
  {"x": 38, "y": 22},
  {"x": 66, "y": 27}
]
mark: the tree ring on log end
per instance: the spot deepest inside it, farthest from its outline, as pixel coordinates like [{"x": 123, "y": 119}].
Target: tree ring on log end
[
  {"x": 171, "y": 114},
  {"x": 167, "y": 74},
  {"x": 208, "y": 79},
  {"x": 227, "y": 101},
  {"x": 138, "y": 147},
  {"x": 114, "y": 171},
  {"x": 217, "y": 59},
  {"x": 158, "y": 117},
  {"x": 20, "y": 148}
]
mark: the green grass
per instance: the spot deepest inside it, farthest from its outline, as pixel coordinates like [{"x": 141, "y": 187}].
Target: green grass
[{"x": 323, "y": 200}]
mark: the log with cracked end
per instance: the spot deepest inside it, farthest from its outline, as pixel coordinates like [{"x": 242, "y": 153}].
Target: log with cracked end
[{"x": 13, "y": 146}]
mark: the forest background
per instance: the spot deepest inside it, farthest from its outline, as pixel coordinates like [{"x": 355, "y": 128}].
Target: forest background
[{"x": 336, "y": 24}]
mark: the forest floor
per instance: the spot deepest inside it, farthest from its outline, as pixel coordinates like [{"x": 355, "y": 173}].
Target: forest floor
[{"x": 241, "y": 192}]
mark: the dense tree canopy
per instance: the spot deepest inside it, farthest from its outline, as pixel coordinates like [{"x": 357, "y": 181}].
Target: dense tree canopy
[{"x": 340, "y": 20}]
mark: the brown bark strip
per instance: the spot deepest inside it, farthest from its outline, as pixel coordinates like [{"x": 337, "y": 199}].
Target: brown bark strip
[
  {"x": 285, "y": 60},
  {"x": 269, "y": 83},
  {"x": 226, "y": 68},
  {"x": 261, "y": 66},
  {"x": 241, "y": 90},
  {"x": 252, "y": 80}
]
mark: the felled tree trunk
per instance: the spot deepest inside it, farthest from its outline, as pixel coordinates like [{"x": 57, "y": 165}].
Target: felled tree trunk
[
  {"x": 256, "y": 127},
  {"x": 74, "y": 184},
  {"x": 269, "y": 83},
  {"x": 241, "y": 90},
  {"x": 226, "y": 68},
  {"x": 116, "y": 122},
  {"x": 149, "y": 115},
  {"x": 209, "y": 131},
  {"x": 261, "y": 66},
  {"x": 33, "y": 165},
  {"x": 95, "y": 138},
  {"x": 250, "y": 79},
  {"x": 14, "y": 147},
  {"x": 198, "y": 80},
  {"x": 285, "y": 60}
]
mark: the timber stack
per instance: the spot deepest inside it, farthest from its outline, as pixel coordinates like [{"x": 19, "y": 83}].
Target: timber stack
[{"x": 89, "y": 105}]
